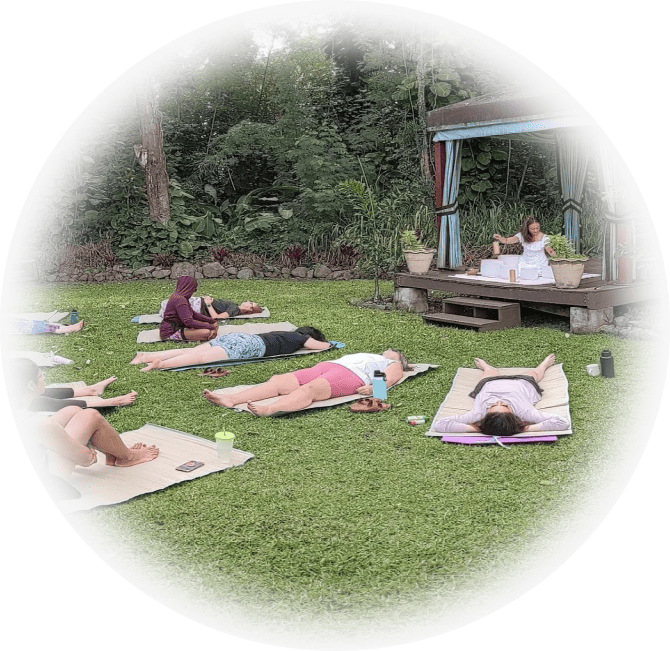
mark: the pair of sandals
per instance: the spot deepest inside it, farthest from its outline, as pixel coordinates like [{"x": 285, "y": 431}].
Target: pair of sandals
[
  {"x": 369, "y": 405},
  {"x": 219, "y": 371}
]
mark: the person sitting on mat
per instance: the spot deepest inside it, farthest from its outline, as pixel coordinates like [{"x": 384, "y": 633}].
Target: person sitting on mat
[
  {"x": 237, "y": 345},
  {"x": 534, "y": 243},
  {"x": 218, "y": 308},
  {"x": 37, "y": 327},
  {"x": 505, "y": 404},
  {"x": 348, "y": 375},
  {"x": 56, "y": 398},
  {"x": 58, "y": 442},
  {"x": 180, "y": 322}
]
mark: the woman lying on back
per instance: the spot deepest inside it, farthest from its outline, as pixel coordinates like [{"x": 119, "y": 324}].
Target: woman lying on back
[
  {"x": 348, "y": 375},
  {"x": 238, "y": 345},
  {"x": 505, "y": 405}
]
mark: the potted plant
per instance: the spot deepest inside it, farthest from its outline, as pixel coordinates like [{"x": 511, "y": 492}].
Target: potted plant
[
  {"x": 417, "y": 255},
  {"x": 566, "y": 265}
]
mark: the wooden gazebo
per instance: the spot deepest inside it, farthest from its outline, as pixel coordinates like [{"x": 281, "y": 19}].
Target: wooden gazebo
[{"x": 531, "y": 114}]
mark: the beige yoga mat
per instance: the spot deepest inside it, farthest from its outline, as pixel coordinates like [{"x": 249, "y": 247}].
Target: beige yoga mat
[
  {"x": 157, "y": 318},
  {"x": 331, "y": 402},
  {"x": 153, "y": 336},
  {"x": 555, "y": 399},
  {"x": 51, "y": 317},
  {"x": 43, "y": 360},
  {"x": 102, "y": 485}
]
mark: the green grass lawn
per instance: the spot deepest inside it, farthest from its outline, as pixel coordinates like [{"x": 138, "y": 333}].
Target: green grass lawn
[{"x": 348, "y": 525}]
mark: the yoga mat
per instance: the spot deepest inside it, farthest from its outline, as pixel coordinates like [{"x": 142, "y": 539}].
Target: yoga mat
[
  {"x": 153, "y": 336},
  {"x": 51, "y": 317},
  {"x": 520, "y": 281},
  {"x": 554, "y": 400},
  {"x": 102, "y": 485},
  {"x": 331, "y": 402},
  {"x": 43, "y": 360},
  {"x": 157, "y": 318},
  {"x": 489, "y": 440},
  {"x": 253, "y": 360}
]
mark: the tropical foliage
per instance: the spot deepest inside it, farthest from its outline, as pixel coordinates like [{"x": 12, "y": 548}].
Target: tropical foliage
[{"x": 261, "y": 131}]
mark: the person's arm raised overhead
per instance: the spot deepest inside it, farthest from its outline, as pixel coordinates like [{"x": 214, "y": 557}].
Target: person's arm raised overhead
[{"x": 313, "y": 344}]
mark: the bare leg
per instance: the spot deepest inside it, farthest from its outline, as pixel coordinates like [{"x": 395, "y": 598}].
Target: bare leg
[
  {"x": 88, "y": 426},
  {"x": 93, "y": 389},
  {"x": 277, "y": 385},
  {"x": 489, "y": 371},
  {"x": 64, "y": 329},
  {"x": 203, "y": 354},
  {"x": 147, "y": 358},
  {"x": 119, "y": 401},
  {"x": 302, "y": 397},
  {"x": 200, "y": 334},
  {"x": 538, "y": 371}
]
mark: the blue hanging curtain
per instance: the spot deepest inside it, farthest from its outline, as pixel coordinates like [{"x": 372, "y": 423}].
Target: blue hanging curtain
[
  {"x": 449, "y": 242},
  {"x": 572, "y": 158}
]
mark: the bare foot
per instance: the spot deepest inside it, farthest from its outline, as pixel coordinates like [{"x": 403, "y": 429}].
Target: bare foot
[
  {"x": 98, "y": 388},
  {"x": 480, "y": 363},
  {"x": 110, "y": 459},
  {"x": 138, "y": 455},
  {"x": 122, "y": 401},
  {"x": 261, "y": 410},
  {"x": 70, "y": 328},
  {"x": 219, "y": 399},
  {"x": 548, "y": 361},
  {"x": 139, "y": 359},
  {"x": 150, "y": 366}
]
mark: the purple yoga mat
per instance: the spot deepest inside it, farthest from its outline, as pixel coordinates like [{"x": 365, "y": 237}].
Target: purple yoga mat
[{"x": 487, "y": 440}]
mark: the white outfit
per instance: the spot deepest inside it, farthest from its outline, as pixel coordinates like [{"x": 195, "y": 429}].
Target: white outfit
[
  {"x": 364, "y": 364},
  {"x": 194, "y": 301},
  {"x": 533, "y": 253}
]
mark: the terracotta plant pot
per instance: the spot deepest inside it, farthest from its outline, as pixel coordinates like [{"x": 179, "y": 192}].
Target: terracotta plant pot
[
  {"x": 418, "y": 262},
  {"x": 567, "y": 272}
]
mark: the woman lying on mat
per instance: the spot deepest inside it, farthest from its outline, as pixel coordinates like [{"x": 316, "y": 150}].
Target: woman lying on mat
[
  {"x": 180, "y": 322},
  {"x": 534, "y": 243},
  {"x": 30, "y": 327},
  {"x": 56, "y": 398},
  {"x": 505, "y": 404},
  {"x": 238, "y": 345},
  {"x": 218, "y": 308},
  {"x": 349, "y": 375},
  {"x": 58, "y": 442}
]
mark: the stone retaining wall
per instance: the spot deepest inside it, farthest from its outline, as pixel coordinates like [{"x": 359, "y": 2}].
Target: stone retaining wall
[{"x": 206, "y": 270}]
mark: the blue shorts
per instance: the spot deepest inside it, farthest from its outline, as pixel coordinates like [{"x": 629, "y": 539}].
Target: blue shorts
[{"x": 240, "y": 345}]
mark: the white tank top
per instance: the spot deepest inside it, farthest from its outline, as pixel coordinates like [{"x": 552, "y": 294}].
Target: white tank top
[{"x": 364, "y": 364}]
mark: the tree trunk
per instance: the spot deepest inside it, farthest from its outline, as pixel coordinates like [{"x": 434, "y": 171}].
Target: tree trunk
[
  {"x": 424, "y": 147},
  {"x": 151, "y": 157}
]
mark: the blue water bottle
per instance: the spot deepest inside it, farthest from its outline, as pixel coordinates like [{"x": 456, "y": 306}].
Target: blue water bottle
[
  {"x": 74, "y": 316},
  {"x": 379, "y": 385}
]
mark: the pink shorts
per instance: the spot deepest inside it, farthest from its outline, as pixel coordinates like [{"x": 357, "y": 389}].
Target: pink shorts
[{"x": 343, "y": 382}]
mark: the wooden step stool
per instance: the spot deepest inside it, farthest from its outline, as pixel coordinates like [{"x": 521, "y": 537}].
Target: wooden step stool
[{"x": 479, "y": 313}]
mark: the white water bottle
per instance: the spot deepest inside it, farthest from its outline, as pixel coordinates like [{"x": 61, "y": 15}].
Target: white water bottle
[{"x": 379, "y": 385}]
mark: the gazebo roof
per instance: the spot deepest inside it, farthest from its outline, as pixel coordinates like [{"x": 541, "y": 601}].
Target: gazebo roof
[{"x": 507, "y": 107}]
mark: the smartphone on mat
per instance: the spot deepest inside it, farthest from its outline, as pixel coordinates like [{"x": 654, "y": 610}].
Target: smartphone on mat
[{"x": 190, "y": 465}]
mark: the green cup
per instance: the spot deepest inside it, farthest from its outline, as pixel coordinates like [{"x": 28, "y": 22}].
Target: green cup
[{"x": 224, "y": 445}]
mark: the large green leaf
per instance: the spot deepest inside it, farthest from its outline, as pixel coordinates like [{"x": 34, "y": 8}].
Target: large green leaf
[{"x": 440, "y": 89}]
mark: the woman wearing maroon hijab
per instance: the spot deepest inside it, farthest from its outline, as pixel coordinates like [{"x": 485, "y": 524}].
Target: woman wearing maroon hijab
[{"x": 180, "y": 322}]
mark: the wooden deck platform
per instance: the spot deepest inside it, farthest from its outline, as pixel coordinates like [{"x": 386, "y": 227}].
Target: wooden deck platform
[{"x": 588, "y": 306}]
